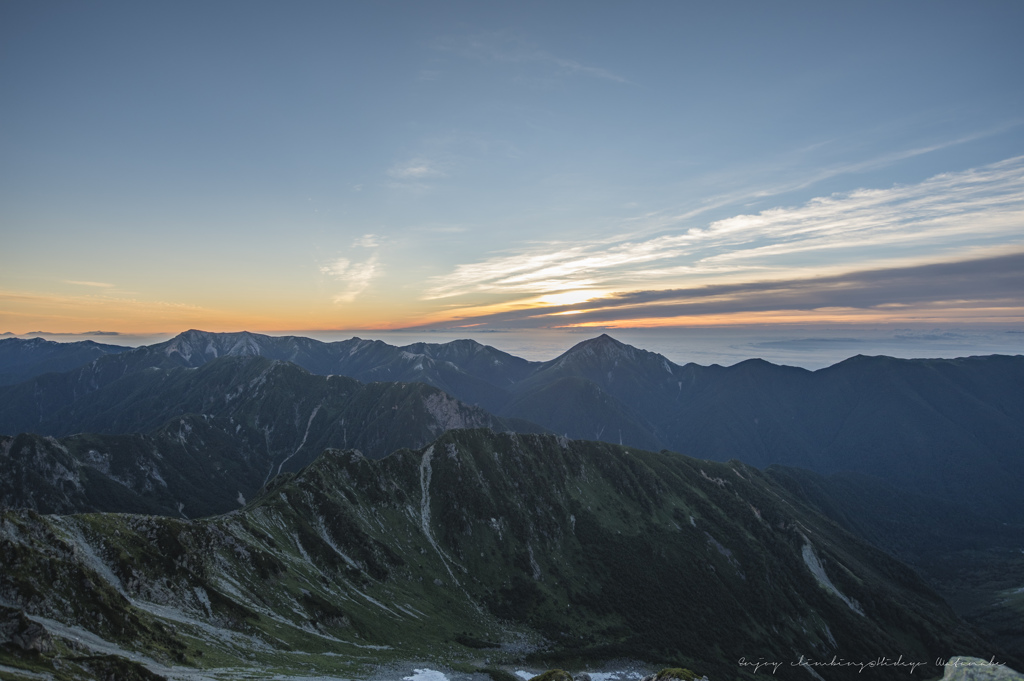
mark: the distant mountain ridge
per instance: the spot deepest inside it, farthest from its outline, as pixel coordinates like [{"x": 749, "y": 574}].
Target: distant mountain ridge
[
  {"x": 23, "y": 359},
  {"x": 934, "y": 426},
  {"x": 193, "y": 440}
]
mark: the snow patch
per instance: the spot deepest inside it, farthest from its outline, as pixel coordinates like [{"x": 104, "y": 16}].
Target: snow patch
[
  {"x": 818, "y": 570},
  {"x": 718, "y": 481},
  {"x": 425, "y": 675},
  {"x": 425, "y": 474},
  {"x": 533, "y": 563},
  {"x": 614, "y": 676},
  {"x": 204, "y": 599},
  {"x": 304, "y": 436}
]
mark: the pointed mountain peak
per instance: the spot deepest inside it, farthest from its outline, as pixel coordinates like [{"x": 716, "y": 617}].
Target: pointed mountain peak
[
  {"x": 605, "y": 339},
  {"x": 603, "y": 344},
  {"x": 601, "y": 357},
  {"x": 596, "y": 352}
]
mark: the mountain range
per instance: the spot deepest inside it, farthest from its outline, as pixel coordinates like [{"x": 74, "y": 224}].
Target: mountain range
[
  {"x": 21, "y": 359},
  {"x": 937, "y": 427},
  {"x": 478, "y": 550},
  {"x": 196, "y": 440},
  {"x": 919, "y": 458}
]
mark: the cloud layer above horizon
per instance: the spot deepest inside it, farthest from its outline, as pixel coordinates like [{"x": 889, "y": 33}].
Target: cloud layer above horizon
[{"x": 948, "y": 243}]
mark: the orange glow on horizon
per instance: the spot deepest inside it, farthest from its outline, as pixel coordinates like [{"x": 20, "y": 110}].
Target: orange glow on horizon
[
  {"x": 820, "y": 316},
  {"x": 26, "y": 312}
]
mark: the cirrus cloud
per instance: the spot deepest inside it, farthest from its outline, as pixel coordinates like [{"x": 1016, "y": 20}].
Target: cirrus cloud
[
  {"x": 992, "y": 287},
  {"x": 356, "y": 276},
  {"x": 975, "y": 212}
]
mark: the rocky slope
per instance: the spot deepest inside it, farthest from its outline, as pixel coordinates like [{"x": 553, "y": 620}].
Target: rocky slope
[
  {"x": 199, "y": 440},
  {"x": 478, "y": 546}
]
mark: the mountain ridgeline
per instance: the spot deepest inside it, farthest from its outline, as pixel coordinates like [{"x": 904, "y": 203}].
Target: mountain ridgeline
[
  {"x": 921, "y": 458},
  {"x": 932, "y": 427},
  {"x": 199, "y": 441},
  {"x": 22, "y": 359},
  {"x": 479, "y": 545}
]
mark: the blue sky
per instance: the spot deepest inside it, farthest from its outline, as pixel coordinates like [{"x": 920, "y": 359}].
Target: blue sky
[{"x": 328, "y": 165}]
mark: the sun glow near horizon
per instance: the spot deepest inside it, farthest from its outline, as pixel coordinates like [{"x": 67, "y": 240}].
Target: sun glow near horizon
[{"x": 455, "y": 183}]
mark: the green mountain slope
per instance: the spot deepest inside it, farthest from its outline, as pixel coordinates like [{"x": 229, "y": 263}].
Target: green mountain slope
[
  {"x": 976, "y": 563},
  {"x": 199, "y": 439},
  {"x": 481, "y": 545}
]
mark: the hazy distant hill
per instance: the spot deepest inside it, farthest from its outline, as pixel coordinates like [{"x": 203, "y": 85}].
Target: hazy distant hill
[
  {"x": 936, "y": 427},
  {"x": 481, "y": 545},
  {"x": 480, "y": 374},
  {"x": 23, "y": 359}
]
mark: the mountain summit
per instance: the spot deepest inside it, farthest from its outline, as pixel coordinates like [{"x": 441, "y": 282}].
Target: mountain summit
[{"x": 205, "y": 346}]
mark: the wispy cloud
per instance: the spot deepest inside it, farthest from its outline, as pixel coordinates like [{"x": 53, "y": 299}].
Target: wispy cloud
[
  {"x": 439, "y": 228},
  {"x": 415, "y": 169},
  {"x": 356, "y": 276},
  {"x": 416, "y": 175},
  {"x": 551, "y": 267},
  {"x": 95, "y": 284},
  {"x": 992, "y": 282},
  {"x": 367, "y": 241},
  {"x": 878, "y": 162},
  {"x": 964, "y": 213},
  {"x": 505, "y": 47},
  {"x": 992, "y": 287},
  {"x": 791, "y": 168}
]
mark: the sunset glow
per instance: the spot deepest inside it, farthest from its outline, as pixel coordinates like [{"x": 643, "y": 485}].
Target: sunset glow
[{"x": 349, "y": 167}]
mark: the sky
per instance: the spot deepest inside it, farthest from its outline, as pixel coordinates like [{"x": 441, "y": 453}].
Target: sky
[{"x": 473, "y": 168}]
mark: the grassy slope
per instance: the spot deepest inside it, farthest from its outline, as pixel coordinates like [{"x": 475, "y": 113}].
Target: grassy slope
[{"x": 522, "y": 546}]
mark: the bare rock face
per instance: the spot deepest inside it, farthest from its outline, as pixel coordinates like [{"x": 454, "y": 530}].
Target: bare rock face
[
  {"x": 674, "y": 674},
  {"x": 553, "y": 675},
  {"x": 18, "y": 629}
]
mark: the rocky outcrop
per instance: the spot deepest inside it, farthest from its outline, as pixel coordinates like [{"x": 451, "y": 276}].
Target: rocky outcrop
[{"x": 16, "y": 628}]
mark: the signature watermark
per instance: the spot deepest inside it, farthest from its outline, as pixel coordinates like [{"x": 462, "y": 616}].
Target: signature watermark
[
  {"x": 968, "y": 662},
  {"x": 767, "y": 666}
]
